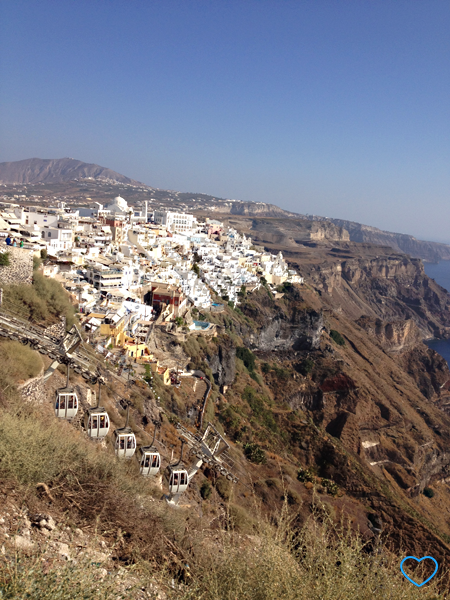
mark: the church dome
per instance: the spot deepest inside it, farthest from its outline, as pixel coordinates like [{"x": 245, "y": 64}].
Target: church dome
[{"x": 120, "y": 202}]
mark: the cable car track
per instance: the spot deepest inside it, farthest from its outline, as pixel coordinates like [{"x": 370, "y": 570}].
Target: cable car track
[{"x": 70, "y": 350}]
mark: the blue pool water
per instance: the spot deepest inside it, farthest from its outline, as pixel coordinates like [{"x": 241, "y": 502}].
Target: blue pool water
[{"x": 201, "y": 325}]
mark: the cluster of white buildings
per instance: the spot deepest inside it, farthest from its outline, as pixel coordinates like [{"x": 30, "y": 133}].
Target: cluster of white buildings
[{"x": 138, "y": 259}]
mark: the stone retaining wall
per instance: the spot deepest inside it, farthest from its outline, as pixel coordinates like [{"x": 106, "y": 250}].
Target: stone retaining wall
[
  {"x": 58, "y": 329},
  {"x": 20, "y": 268}
]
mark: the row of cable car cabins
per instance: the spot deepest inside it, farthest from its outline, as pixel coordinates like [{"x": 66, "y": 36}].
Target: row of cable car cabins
[{"x": 97, "y": 425}]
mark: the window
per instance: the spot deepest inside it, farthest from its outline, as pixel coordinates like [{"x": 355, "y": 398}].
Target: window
[{"x": 49, "y": 234}]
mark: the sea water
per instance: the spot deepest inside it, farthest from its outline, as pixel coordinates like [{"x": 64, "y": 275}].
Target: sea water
[{"x": 440, "y": 272}]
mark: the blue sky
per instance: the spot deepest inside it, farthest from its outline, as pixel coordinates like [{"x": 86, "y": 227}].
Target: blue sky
[{"x": 338, "y": 108}]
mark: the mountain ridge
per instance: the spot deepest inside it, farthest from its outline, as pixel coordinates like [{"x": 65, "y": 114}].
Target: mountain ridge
[{"x": 56, "y": 170}]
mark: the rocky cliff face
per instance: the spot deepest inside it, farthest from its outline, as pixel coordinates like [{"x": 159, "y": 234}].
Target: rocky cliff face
[
  {"x": 299, "y": 331},
  {"x": 429, "y": 251},
  {"x": 392, "y": 336},
  {"x": 223, "y": 364},
  {"x": 281, "y": 327},
  {"x": 390, "y": 287}
]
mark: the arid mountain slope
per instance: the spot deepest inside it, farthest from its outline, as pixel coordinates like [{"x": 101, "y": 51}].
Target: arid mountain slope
[
  {"x": 378, "y": 401},
  {"x": 38, "y": 170}
]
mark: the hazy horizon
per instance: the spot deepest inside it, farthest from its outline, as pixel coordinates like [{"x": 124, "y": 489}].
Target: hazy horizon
[{"x": 334, "y": 109}]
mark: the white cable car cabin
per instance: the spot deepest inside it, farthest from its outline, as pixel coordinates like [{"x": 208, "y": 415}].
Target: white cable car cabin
[
  {"x": 96, "y": 422},
  {"x": 149, "y": 461},
  {"x": 124, "y": 442},
  {"x": 177, "y": 479},
  {"x": 66, "y": 403}
]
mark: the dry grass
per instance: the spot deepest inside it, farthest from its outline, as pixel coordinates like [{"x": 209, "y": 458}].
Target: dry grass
[
  {"x": 98, "y": 490},
  {"x": 319, "y": 562},
  {"x": 18, "y": 362},
  {"x": 27, "y": 578}
]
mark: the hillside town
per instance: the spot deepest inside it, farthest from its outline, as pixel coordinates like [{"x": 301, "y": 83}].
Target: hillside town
[{"x": 129, "y": 270}]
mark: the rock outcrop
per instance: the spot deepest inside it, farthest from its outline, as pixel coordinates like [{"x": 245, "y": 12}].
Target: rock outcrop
[
  {"x": 223, "y": 365},
  {"x": 393, "y": 336},
  {"x": 298, "y": 331}
]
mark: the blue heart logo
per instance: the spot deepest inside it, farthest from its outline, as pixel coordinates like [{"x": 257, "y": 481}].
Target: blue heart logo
[{"x": 420, "y": 560}]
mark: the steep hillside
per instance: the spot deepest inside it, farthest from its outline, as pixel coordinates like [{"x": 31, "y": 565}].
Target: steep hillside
[{"x": 333, "y": 408}]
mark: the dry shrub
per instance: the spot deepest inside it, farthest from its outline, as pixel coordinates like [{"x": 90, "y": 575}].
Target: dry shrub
[
  {"x": 240, "y": 520},
  {"x": 319, "y": 562},
  {"x": 44, "y": 301},
  {"x": 101, "y": 491},
  {"x": 18, "y": 363},
  {"x": 26, "y": 578},
  {"x": 224, "y": 487}
]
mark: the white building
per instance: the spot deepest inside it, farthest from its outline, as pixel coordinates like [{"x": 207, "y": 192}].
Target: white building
[
  {"x": 57, "y": 239},
  {"x": 175, "y": 222}
]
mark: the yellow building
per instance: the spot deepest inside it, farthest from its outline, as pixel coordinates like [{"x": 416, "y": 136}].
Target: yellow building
[
  {"x": 138, "y": 351},
  {"x": 115, "y": 327}
]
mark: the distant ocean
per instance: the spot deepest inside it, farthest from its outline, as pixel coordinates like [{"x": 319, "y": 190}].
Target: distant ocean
[{"x": 440, "y": 272}]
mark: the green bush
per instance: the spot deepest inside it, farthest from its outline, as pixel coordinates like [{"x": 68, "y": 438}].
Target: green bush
[
  {"x": 331, "y": 487},
  {"x": 306, "y": 366},
  {"x": 205, "y": 490},
  {"x": 428, "y": 492},
  {"x": 255, "y": 377},
  {"x": 255, "y": 453},
  {"x": 44, "y": 253},
  {"x": 4, "y": 259},
  {"x": 305, "y": 475},
  {"x": 281, "y": 373},
  {"x": 36, "y": 263},
  {"x": 337, "y": 337},
  {"x": 254, "y": 401},
  {"x": 247, "y": 357}
]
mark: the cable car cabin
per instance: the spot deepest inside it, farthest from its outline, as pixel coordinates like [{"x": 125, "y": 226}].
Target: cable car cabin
[
  {"x": 124, "y": 442},
  {"x": 96, "y": 422},
  {"x": 177, "y": 479},
  {"x": 149, "y": 461},
  {"x": 66, "y": 403}
]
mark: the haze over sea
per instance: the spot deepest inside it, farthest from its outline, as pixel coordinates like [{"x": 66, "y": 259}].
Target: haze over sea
[{"x": 440, "y": 272}]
